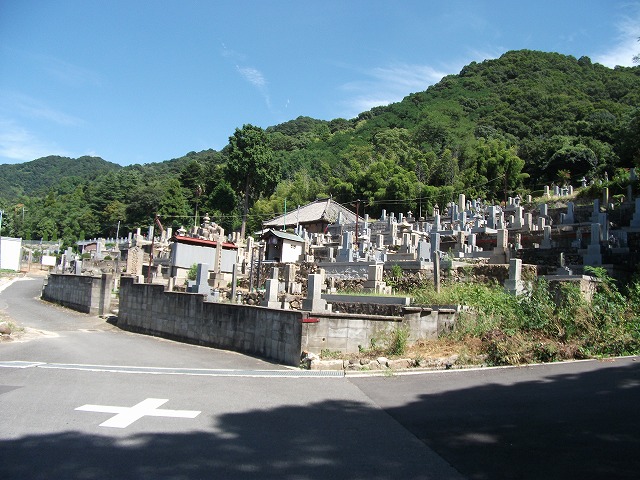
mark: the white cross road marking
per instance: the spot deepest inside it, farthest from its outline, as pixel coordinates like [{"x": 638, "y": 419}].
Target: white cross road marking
[{"x": 125, "y": 416}]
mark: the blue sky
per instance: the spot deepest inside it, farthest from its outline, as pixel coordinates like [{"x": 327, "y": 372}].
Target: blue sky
[{"x": 146, "y": 81}]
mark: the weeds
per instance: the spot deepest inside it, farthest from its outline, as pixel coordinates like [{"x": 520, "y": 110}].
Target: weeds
[
  {"x": 391, "y": 343},
  {"x": 547, "y": 324},
  {"x": 398, "y": 341}
]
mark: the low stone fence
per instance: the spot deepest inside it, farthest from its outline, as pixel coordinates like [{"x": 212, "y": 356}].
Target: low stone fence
[
  {"x": 279, "y": 335},
  {"x": 87, "y": 294},
  {"x": 351, "y": 333},
  {"x": 268, "y": 333}
]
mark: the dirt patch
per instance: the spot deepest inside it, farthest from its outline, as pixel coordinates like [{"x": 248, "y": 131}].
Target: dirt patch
[
  {"x": 27, "y": 334},
  {"x": 443, "y": 353}
]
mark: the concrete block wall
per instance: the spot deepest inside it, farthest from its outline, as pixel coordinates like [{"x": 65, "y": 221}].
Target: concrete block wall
[
  {"x": 346, "y": 333},
  {"x": 269, "y": 333},
  {"x": 87, "y": 294}
]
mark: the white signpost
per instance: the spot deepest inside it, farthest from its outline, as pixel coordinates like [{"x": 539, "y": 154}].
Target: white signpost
[{"x": 125, "y": 416}]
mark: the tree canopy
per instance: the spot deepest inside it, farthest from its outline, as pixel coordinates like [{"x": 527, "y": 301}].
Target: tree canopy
[{"x": 500, "y": 127}]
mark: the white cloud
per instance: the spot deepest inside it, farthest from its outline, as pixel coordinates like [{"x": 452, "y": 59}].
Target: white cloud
[
  {"x": 32, "y": 108},
  {"x": 17, "y": 143},
  {"x": 388, "y": 84},
  {"x": 626, "y": 46},
  {"x": 232, "y": 54},
  {"x": 256, "y": 78},
  {"x": 253, "y": 76},
  {"x": 70, "y": 74}
]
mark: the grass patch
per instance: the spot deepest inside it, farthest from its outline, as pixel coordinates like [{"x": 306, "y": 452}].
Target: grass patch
[{"x": 546, "y": 324}]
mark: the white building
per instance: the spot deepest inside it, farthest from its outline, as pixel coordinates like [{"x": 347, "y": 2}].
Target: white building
[
  {"x": 186, "y": 251},
  {"x": 10, "y": 253},
  {"x": 283, "y": 247}
]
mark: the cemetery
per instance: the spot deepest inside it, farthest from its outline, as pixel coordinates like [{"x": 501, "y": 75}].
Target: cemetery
[{"x": 325, "y": 279}]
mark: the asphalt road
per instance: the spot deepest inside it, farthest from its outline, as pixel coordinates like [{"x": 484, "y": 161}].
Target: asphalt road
[
  {"x": 577, "y": 420},
  {"x": 86, "y": 400},
  {"x": 261, "y": 421}
]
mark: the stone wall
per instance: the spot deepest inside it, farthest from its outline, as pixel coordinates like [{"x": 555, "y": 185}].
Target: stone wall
[
  {"x": 280, "y": 335},
  {"x": 87, "y": 294},
  {"x": 268, "y": 333},
  {"x": 351, "y": 333}
]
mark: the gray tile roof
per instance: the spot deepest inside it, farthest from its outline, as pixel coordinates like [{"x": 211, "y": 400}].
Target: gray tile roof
[
  {"x": 286, "y": 236},
  {"x": 321, "y": 210}
]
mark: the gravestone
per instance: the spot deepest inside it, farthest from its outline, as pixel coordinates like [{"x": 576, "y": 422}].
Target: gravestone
[
  {"x": 543, "y": 209},
  {"x": 291, "y": 286},
  {"x": 345, "y": 253},
  {"x": 546, "y": 240},
  {"x": 518, "y": 242},
  {"x": 528, "y": 222},
  {"x": 202, "y": 280},
  {"x": 604, "y": 226},
  {"x": 514, "y": 284},
  {"x": 491, "y": 216},
  {"x": 314, "y": 301},
  {"x": 374, "y": 281},
  {"x": 234, "y": 282},
  {"x": 471, "y": 241},
  {"x": 68, "y": 257},
  {"x": 635, "y": 220},
  {"x": 502, "y": 240},
  {"x": 518, "y": 219},
  {"x": 436, "y": 223},
  {"x": 542, "y": 223},
  {"x": 563, "y": 269},
  {"x": 596, "y": 210},
  {"x": 424, "y": 251},
  {"x": 593, "y": 256},
  {"x": 569, "y": 218},
  {"x": 435, "y": 242},
  {"x": 135, "y": 260},
  {"x": 271, "y": 293}
]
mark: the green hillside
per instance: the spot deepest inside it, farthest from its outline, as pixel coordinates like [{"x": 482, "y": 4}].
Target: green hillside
[
  {"x": 499, "y": 128},
  {"x": 61, "y": 173}
]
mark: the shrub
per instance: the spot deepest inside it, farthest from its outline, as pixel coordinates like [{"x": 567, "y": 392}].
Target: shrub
[
  {"x": 398, "y": 341},
  {"x": 193, "y": 272},
  {"x": 546, "y": 324}
]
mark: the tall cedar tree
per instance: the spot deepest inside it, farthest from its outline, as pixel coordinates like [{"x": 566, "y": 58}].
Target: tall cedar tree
[{"x": 251, "y": 169}]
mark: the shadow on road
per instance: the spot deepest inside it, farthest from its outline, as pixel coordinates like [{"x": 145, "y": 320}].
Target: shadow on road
[
  {"x": 584, "y": 426},
  {"x": 329, "y": 440}
]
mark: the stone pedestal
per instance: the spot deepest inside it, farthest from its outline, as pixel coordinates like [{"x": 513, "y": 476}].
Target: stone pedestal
[
  {"x": 514, "y": 283},
  {"x": 314, "y": 301}
]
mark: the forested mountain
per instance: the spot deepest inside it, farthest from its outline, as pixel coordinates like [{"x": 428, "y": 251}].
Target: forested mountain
[
  {"x": 37, "y": 176},
  {"x": 499, "y": 127}
]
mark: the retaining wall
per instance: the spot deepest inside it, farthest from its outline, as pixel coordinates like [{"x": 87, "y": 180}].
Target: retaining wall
[
  {"x": 87, "y": 294},
  {"x": 268, "y": 333},
  {"x": 349, "y": 333},
  {"x": 280, "y": 335}
]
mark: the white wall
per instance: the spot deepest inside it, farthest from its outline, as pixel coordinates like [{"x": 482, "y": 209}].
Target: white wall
[
  {"x": 291, "y": 251},
  {"x": 184, "y": 255},
  {"x": 11, "y": 249}
]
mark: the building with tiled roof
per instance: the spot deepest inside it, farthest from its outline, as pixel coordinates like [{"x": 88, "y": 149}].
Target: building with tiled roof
[{"x": 314, "y": 217}]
